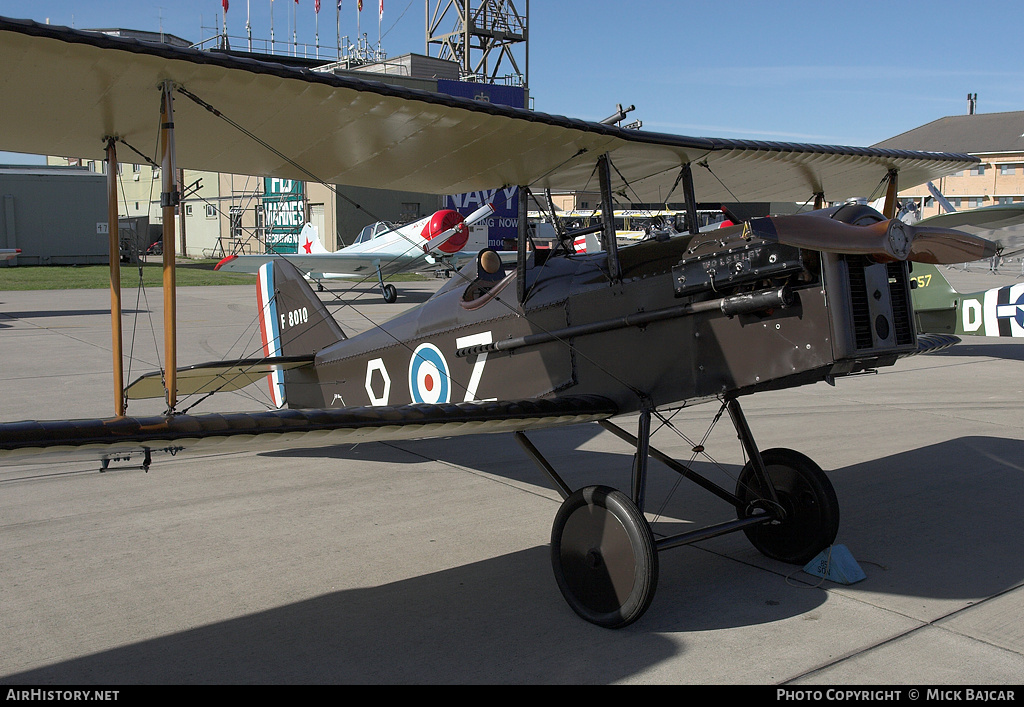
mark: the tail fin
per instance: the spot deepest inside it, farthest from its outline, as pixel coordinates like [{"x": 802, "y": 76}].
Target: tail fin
[
  {"x": 293, "y": 321},
  {"x": 940, "y": 309},
  {"x": 309, "y": 241}
]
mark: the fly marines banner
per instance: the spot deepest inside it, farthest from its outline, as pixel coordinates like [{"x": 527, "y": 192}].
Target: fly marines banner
[{"x": 284, "y": 214}]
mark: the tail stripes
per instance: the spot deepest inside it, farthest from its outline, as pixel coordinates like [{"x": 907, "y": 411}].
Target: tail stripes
[
  {"x": 270, "y": 331},
  {"x": 293, "y": 323}
]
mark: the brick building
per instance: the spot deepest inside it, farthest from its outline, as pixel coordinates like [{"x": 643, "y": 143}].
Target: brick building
[{"x": 996, "y": 138}]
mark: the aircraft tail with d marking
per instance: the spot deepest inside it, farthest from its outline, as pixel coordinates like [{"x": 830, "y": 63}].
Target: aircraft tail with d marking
[
  {"x": 940, "y": 309},
  {"x": 293, "y": 322}
]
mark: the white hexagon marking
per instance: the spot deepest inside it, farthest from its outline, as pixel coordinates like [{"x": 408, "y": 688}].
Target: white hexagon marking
[{"x": 377, "y": 364}]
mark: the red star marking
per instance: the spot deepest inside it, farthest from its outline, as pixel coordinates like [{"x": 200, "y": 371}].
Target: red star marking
[{"x": 308, "y": 245}]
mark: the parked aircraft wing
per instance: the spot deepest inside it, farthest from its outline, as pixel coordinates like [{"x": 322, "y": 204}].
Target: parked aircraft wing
[
  {"x": 242, "y": 116},
  {"x": 333, "y": 263},
  {"x": 21, "y": 442},
  {"x": 989, "y": 222}
]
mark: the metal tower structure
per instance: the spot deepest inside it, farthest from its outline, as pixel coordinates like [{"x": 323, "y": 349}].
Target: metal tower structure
[{"x": 486, "y": 39}]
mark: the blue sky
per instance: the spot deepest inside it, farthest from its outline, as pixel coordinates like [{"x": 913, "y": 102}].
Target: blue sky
[{"x": 851, "y": 73}]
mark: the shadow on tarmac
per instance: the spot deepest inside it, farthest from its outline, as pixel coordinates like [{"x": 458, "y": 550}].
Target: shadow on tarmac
[
  {"x": 38, "y": 314},
  {"x": 925, "y": 522},
  {"x": 921, "y": 525},
  {"x": 1010, "y": 350}
]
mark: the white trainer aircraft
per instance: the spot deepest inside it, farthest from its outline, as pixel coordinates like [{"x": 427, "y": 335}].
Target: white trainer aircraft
[{"x": 381, "y": 249}]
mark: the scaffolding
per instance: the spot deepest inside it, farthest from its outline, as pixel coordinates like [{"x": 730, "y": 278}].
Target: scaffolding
[{"x": 489, "y": 37}]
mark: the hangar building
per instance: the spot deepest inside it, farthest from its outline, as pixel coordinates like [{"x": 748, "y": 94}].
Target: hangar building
[{"x": 55, "y": 215}]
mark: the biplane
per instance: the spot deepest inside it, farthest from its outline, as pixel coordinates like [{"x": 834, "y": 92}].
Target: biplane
[
  {"x": 556, "y": 338},
  {"x": 380, "y": 249}
]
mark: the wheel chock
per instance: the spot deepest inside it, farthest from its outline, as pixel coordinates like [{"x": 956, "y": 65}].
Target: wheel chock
[{"x": 836, "y": 564}]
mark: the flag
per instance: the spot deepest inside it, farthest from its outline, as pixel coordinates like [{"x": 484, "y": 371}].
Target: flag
[
  {"x": 224, "y": 4},
  {"x": 316, "y": 6},
  {"x": 380, "y": 10},
  {"x": 359, "y": 6}
]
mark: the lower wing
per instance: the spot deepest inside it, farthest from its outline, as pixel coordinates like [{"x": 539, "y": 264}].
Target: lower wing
[{"x": 122, "y": 437}]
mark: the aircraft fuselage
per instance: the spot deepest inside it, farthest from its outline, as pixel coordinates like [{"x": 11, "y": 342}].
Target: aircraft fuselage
[{"x": 691, "y": 318}]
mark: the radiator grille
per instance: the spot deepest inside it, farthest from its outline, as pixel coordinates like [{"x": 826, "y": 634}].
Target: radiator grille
[
  {"x": 865, "y": 313},
  {"x": 859, "y": 304},
  {"x": 902, "y": 308}
]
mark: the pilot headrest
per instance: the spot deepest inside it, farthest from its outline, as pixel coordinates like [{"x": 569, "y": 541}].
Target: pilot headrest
[{"x": 489, "y": 260}]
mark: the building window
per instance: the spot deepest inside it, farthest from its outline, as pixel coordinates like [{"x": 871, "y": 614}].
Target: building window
[
  {"x": 410, "y": 210},
  {"x": 975, "y": 202},
  {"x": 1004, "y": 200},
  {"x": 188, "y": 209},
  {"x": 136, "y": 168},
  {"x": 978, "y": 170},
  {"x": 236, "y": 221},
  {"x": 211, "y": 211},
  {"x": 1007, "y": 170}
]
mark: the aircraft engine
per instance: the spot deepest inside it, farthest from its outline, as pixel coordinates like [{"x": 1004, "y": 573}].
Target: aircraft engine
[{"x": 447, "y": 220}]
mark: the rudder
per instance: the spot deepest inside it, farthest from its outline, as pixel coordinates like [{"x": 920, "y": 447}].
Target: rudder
[{"x": 293, "y": 320}]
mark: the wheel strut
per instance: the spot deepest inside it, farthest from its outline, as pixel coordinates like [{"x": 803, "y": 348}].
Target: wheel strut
[{"x": 604, "y": 554}]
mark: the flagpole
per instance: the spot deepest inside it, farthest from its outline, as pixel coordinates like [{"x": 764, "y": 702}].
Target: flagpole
[
  {"x": 337, "y": 26},
  {"x": 316, "y": 8},
  {"x": 248, "y": 27},
  {"x": 271, "y": 26}
]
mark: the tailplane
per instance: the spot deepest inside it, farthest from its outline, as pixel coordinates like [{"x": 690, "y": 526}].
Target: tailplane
[{"x": 293, "y": 322}]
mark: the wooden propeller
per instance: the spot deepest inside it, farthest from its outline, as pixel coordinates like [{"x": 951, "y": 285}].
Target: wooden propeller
[{"x": 885, "y": 240}]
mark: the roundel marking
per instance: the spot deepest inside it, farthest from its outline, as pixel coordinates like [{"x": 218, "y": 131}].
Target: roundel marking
[{"x": 429, "y": 379}]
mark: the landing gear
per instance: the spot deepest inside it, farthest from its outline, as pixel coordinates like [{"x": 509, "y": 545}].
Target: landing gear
[
  {"x": 806, "y": 501},
  {"x": 603, "y": 556},
  {"x": 389, "y": 291}
]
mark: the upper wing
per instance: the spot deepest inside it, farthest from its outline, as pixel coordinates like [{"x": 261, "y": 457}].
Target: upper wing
[
  {"x": 65, "y": 91},
  {"x": 21, "y": 442}
]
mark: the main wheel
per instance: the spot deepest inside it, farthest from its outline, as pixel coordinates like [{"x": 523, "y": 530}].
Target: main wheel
[
  {"x": 390, "y": 294},
  {"x": 807, "y": 499},
  {"x": 603, "y": 556}
]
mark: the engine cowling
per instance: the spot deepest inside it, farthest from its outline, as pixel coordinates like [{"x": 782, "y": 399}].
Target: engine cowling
[{"x": 445, "y": 220}]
